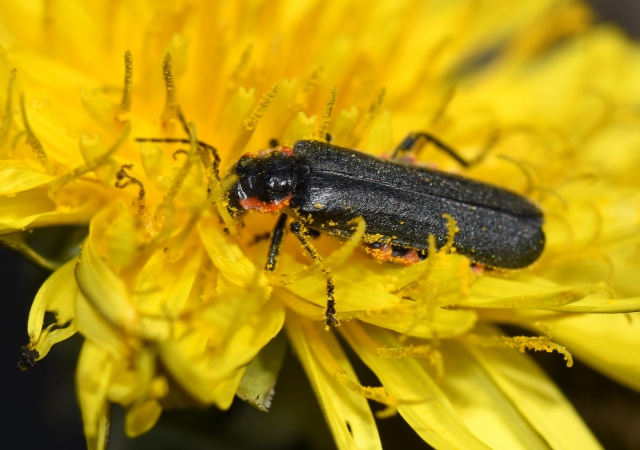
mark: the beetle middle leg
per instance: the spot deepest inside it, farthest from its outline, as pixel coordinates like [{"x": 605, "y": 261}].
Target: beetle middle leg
[
  {"x": 301, "y": 233},
  {"x": 414, "y": 141}
]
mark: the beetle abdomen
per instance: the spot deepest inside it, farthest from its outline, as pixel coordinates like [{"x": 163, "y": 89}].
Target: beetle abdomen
[{"x": 403, "y": 205}]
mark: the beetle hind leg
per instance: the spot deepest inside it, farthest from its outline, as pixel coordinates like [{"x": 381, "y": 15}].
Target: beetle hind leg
[{"x": 414, "y": 141}]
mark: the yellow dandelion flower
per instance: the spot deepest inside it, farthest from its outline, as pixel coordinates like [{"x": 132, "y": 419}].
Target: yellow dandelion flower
[{"x": 168, "y": 289}]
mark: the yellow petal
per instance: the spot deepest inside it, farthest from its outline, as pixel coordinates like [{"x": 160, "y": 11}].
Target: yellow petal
[
  {"x": 258, "y": 381},
  {"x": 131, "y": 382},
  {"x": 57, "y": 295},
  {"x": 535, "y": 396},
  {"x": 229, "y": 258},
  {"x": 200, "y": 374},
  {"x": 348, "y": 414},
  {"x": 225, "y": 391},
  {"x": 140, "y": 418},
  {"x": 421, "y": 403},
  {"x": 357, "y": 300},
  {"x": 100, "y": 107},
  {"x": 92, "y": 381},
  {"x": 423, "y": 322},
  {"x": 93, "y": 325},
  {"x": 165, "y": 286},
  {"x": 300, "y": 127},
  {"x": 482, "y": 405},
  {"x": 33, "y": 208},
  {"x": 17, "y": 176},
  {"x": 53, "y": 296},
  {"x": 608, "y": 343},
  {"x": 492, "y": 292},
  {"x": 104, "y": 289},
  {"x": 594, "y": 304}
]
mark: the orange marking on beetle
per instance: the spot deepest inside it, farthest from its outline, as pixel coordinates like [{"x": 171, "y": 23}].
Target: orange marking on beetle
[{"x": 253, "y": 204}]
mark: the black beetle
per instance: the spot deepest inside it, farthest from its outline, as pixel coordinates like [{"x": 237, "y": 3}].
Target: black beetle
[{"x": 323, "y": 187}]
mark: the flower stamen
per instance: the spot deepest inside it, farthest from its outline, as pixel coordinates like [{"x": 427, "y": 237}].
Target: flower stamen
[
  {"x": 521, "y": 343},
  {"x": 367, "y": 119},
  {"x": 60, "y": 182},
  {"x": 238, "y": 73},
  {"x": 6, "y": 120},
  {"x": 125, "y": 103},
  {"x": 34, "y": 142},
  {"x": 186, "y": 166},
  {"x": 326, "y": 116},
  {"x": 124, "y": 180},
  {"x": 444, "y": 104},
  {"x": 302, "y": 99},
  {"x": 171, "y": 104},
  {"x": 249, "y": 124}
]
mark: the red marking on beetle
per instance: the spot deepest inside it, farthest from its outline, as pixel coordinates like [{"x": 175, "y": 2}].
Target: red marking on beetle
[
  {"x": 477, "y": 269},
  {"x": 380, "y": 254},
  {"x": 411, "y": 257},
  {"x": 253, "y": 204},
  {"x": 384, "y": 253},
  {"x": 286, "y": 150}
]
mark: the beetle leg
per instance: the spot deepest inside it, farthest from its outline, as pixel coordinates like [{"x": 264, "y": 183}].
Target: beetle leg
[
  {"x": 276, "y": 241},
  {"x": 330, "y": 310},
  {"x": 203, "y": 145},
  {"x": 414, "y": 141}
]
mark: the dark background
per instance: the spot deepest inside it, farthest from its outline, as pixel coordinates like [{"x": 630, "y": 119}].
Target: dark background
[{"x": 39, "y": 409}]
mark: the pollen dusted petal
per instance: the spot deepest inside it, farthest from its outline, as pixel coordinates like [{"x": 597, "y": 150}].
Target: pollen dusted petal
[
  {"x": 349, "y": 415},
  {"x": 535, "y": 395},
  {"x": 421, "y": 403},
  {"x": 421, "y": 321}
]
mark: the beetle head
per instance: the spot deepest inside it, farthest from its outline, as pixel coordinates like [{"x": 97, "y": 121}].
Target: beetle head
[{"x": 265, "y": 182}]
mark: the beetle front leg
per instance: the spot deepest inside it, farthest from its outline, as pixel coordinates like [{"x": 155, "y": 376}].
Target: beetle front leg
[
  {"x": 276, "y": 242},
  {"x": 301, "y": 232}
]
